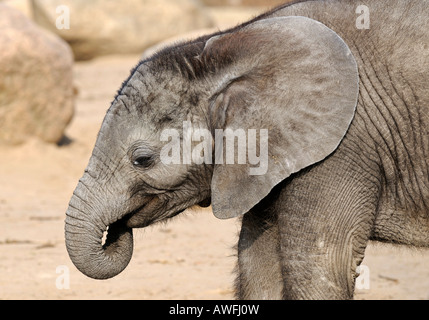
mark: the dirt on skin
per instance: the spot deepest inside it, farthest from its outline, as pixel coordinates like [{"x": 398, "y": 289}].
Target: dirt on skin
[{"x": 191, "y": 257}]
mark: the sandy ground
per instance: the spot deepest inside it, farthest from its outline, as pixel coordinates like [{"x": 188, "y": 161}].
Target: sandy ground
[{"x": 191, "y": 257}]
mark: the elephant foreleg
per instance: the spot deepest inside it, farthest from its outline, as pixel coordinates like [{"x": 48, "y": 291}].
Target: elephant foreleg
[
  {"x": 324, "y": 228},
  {"x": 259, "y": 276}
]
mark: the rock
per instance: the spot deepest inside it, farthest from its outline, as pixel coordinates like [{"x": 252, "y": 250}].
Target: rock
[
  {"x": 231, "y": 16},
  {"x": 36, "y": 82},
  {"x": 99, "y": 27},
  {"x": 22, "y": 5},
  {"x": 261, "y": 3}
]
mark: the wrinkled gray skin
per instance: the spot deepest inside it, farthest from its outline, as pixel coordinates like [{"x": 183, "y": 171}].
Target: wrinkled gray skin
[{"x": 348, "y": 146}]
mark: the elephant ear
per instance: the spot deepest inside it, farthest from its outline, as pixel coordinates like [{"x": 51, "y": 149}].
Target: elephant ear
[{"x": 290, "y": 85}]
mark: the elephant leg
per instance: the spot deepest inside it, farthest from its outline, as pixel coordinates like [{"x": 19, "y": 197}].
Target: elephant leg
[
  {"x": 259, "y": 275},
  {"x": 324, "y": 227}
]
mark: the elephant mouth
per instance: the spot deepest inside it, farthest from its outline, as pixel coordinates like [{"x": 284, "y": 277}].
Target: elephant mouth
[
  {"x": 149, "y": 212},
  {"x": 152, "y": 210},
  {"x": 205, "y": 203},
  {"x": 144, "y": 215}
]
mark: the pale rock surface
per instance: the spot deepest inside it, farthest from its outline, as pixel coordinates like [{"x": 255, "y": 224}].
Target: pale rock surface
[
  {"x": 100, "y": 27},
  {"x": 36, "y": 82}
]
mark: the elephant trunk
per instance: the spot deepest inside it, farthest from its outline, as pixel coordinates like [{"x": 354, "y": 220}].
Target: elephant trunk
[{"x": 84, "y": 231}]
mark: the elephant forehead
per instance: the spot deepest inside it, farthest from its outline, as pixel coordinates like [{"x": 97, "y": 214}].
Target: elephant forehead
[
  {"x": 152, "y": 103},
  {"x": 151, "y": 80}
]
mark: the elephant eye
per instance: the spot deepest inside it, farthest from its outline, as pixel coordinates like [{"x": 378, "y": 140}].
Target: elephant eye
[
  {"x": 143, "y": 161},
  {"x": 141, "y": 155}
]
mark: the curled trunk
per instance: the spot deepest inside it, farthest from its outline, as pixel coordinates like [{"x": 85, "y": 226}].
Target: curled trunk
[{"x": 84, "y": 231}]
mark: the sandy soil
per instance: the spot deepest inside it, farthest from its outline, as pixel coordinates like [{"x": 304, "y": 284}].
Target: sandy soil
[{"x": 191, "y": 257}]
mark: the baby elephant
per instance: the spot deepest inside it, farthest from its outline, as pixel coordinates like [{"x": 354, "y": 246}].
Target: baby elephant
[{"x": 308, "y": 121}]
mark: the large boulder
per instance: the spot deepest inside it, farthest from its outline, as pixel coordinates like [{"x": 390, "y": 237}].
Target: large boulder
[
  {"x": 262, "y": 3},
  {"x": 99, "y": 27},
  {"x": 22, "y": 5},
  {"x": 36, "y": 81}
]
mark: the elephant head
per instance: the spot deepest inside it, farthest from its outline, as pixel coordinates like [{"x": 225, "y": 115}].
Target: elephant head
[{"x": 292, "y": 77}]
